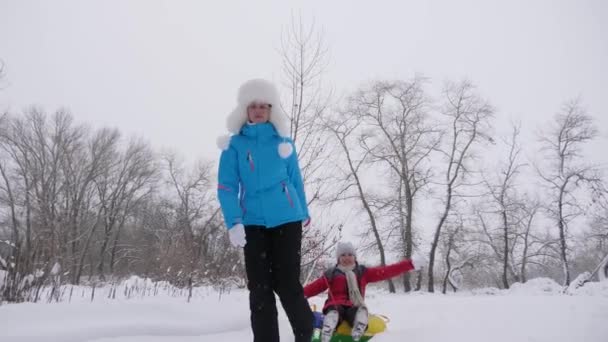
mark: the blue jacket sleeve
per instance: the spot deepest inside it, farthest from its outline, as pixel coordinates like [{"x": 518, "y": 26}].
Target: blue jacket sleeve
[
  {"x": 228, "y": 187},
  {"x": 295, "y": 177}
]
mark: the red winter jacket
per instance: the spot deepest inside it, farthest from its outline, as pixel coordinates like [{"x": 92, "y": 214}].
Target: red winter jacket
[{"x": 335, "y": 280}]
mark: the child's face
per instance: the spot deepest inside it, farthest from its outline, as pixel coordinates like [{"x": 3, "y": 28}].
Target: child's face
[{"x": 347, "y": 259}]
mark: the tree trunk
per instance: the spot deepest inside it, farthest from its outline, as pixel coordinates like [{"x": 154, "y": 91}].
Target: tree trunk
[
  {"x": 505, "y": 261},
  {"x": 562, "y": 236},
  {"x": 102, "y": 254},
  {"x": 444, "y": 286},
  {"x": 408, "y": 243},
  {"x": 435, "y": 243},
  {"x": 369, "y": 212}
]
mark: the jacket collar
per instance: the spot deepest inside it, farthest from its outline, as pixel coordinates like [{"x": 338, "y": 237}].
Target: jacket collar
[{"x": 261, "y": 130}]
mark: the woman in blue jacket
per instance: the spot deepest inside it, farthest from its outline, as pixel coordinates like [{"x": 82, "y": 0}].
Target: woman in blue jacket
[{"x": 262, "y": 197}]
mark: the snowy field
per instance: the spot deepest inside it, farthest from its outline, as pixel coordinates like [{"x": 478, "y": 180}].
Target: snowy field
[{"x": 533, "y": 312}]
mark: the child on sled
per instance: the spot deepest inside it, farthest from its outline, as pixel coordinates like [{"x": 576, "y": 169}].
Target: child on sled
[{"x": 346, "y": 289}]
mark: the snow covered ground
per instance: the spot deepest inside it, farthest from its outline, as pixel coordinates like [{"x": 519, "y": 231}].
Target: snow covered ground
[{"x": 531, "y": 312}]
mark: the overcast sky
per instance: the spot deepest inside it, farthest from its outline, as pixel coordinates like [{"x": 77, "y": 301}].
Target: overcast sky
[{"x": 169, "y": 70}]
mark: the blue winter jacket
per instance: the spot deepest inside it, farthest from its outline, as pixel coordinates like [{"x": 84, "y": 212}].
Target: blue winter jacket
[{"x": 256, "y": 185}]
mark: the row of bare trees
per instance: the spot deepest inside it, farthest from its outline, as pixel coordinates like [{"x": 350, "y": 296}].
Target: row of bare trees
[
  {"x": 409, "y": 164},
  {"x": 81, "y": 202},
  {"x": 412, "y": 164},
  {"x": 77, "y": 202}
]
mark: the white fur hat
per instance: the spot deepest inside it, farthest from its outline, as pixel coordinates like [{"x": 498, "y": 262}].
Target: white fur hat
[
  {"x": 345, "y": 248},
  {"x": 258, "y": 90}
]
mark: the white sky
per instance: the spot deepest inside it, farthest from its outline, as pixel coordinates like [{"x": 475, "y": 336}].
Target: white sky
[{"x": 169, "y": 70}]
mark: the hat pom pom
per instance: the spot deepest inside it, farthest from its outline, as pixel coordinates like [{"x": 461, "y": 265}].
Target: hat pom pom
[{"x": 285, "y": 150}]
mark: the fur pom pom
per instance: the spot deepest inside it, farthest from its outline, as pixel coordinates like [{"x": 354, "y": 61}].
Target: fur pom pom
[
  {"x": 223, "y": 141},
  {"x": 285, "y": 150}
]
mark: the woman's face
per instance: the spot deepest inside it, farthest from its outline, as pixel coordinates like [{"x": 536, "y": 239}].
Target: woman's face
[
  {"x": 346, "y": 259},
  {"x": 258, "y": 112}
]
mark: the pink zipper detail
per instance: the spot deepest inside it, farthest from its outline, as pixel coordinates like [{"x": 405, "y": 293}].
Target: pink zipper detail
[{"x": 287, "y": 194}]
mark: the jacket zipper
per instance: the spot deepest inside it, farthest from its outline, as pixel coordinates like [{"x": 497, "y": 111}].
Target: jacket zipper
[
  {"x": 257, "y": 144},
  {"x": 250, "y": 159},
  {"x": 286, "y": 191}
]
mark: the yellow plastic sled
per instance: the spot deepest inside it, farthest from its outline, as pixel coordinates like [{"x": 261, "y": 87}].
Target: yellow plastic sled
[{"x": 375, "y": 325}]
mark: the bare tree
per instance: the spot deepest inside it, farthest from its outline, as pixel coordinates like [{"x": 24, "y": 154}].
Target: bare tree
[
  {"x": 36, "y": 148},
  {"x": 126, "y": 182},
  {"x": 599, "y": 224},
  {"x": 46, "y": 142},
  {"x": 73, "y": 198},
  {"x": 505, "y": 204},
  {"x": 454, "y": 250},
  {"x": 14, "y": 144},
  {"x": 566, "y": 173},
  {"x": 524, "y": 245},
  {"x": 84, "y": 166},
  {"x": 344, "y": 128},
  {"x": 304, "y": 56},
  {"x": 7, "y": 198},
  {"x": 469, "y": 117},
  {"x": 399, "y": 134},
  {"x": 85, "y": 163},
  {"x": 592, "y": 244},
  {"x": 529, "y": 212},
  {"x": 196, "y": 210},
  {"x": 48, "y": 150}
]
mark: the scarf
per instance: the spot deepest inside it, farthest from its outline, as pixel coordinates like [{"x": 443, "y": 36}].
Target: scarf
[{"x": 354, "y": 294}]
